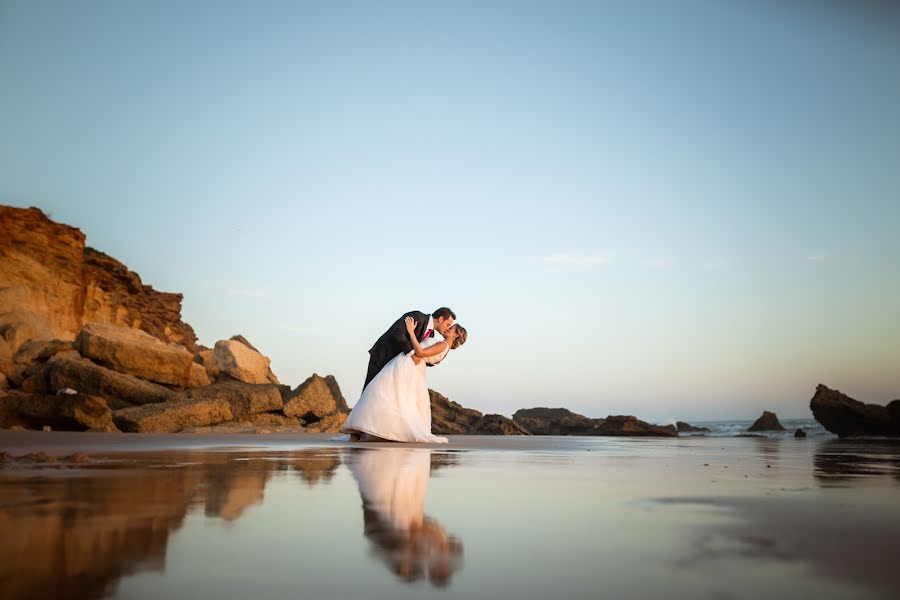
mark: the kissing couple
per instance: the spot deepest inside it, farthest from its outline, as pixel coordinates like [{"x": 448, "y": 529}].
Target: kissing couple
[{"x": 394, "y": 404}]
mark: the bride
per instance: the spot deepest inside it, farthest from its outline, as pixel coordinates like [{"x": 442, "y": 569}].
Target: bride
[{"x": 395, "y": 405}]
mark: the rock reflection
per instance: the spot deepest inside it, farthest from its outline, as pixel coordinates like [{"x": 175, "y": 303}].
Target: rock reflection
[
  {"x": 841, "y": 460},
  {"x": 393, "y": 483},
  {"x": 74, "y": 534}
]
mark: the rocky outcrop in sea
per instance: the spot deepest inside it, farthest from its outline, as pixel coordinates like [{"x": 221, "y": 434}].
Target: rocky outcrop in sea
[
  {"x": 847, "y": 417},
  {"x": 561, "y": 421}
]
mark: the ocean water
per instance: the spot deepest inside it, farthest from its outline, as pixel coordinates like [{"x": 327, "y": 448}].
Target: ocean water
[
  {"x": 482, "y": 517},
  {"x": 734, "y": 428}
]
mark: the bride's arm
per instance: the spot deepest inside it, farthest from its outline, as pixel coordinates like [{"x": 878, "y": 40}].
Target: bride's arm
[{"x": 417, "y": 347}]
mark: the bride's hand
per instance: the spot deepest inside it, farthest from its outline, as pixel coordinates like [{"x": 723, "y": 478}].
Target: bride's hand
[{"x": 411, "y": 325}]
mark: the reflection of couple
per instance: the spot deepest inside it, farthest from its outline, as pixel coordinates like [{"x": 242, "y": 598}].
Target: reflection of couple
[
  {"x": 394, "y": 404},
  {"x": 393, "y": 483}
]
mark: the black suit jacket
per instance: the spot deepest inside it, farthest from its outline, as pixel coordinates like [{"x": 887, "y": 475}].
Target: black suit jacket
[{"x": 396, "y": 340}]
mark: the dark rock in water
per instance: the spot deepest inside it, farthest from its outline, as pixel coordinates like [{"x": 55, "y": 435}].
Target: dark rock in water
[
  {"x": 847, "y": 417},
  {"x": 800, "y": 433},
  {"x": 688, "y": 428},
  {"x": 631, "y": 426},
  {"x": 451, "y": 418},
  {"x": 561, "y": 421},
  {"x": 497, "y": 425},
  {"x": 767, "y": 422},
  {"x": 553, "y": 421}
]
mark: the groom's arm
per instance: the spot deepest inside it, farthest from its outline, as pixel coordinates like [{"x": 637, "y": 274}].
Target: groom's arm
[{"x": 398, "y": 330}]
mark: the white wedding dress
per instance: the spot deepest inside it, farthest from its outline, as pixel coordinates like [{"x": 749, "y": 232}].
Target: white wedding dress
[{"x": 395, "y": 405}]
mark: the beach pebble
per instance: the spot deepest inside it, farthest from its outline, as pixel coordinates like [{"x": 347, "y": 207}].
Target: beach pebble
[{"x": 78, "y": 457}]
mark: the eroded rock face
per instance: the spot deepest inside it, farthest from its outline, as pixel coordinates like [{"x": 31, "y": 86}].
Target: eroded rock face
[
  {"x": 328, "y": 424},
  {"x": 135, "y": 352},
  {"x": 171, "y": 417},
  {"x": 450, "y": 418},
  {"x": 51, "y": 285},
  {"x": 767, "y": 422},
  {"x": 841, "y": 414}
]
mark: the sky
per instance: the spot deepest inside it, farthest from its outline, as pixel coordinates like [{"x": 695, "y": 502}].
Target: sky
[{"x": 670, "y": 210}]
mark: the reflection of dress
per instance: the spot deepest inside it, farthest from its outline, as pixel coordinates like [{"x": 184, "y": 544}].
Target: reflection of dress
[
  {"x": 393, "y": 483},
  {"x": 395, "y": 405}
]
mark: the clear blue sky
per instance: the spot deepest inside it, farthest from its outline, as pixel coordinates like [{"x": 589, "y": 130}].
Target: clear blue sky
[{"x": 673, "y": 210}]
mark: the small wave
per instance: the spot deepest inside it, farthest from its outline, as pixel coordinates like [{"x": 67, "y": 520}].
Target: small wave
[{"x": 735, "y": 428}]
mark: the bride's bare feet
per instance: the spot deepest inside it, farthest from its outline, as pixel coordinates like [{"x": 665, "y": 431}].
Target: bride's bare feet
[{"x": 354, "y": 437}]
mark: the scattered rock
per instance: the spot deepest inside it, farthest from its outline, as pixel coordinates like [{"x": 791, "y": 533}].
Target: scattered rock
[
  {"x": 799, "y": 433},
  {"x": 135, "y": 352},
  {"x": 497, "y": 425},
  {"x": 688, "y": 428},
  {"x": 171, "y": 417},
  {"x": 38, "y": 457},
  {"x": 120, "y": 390},
  {"x": 78, "y": 458},
  {"x": 847, "y": 417},
  {"x": 767, "y": 422}
]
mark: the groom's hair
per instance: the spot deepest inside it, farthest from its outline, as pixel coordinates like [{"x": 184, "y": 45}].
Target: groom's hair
[{"x": 444, "y": 312}]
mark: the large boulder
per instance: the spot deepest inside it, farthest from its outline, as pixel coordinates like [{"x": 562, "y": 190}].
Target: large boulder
[
  {"x": 135, "y": 352},
  {"x": 243, "y": 398},
  {"x": 847, "y": 417},
  {"x": 118, "y": 389},
  {"x": 497, "y": 425},
  {"x": 451, "y": 418},
  {"x": 171, "y": 417},
  {"x": 207, "y": 359},
  {"x": 76, "y": 412},
  {"x": 311, "y": 401},
  {"x": 241, "y": 361},
  {"x": 767, "y": 422}
]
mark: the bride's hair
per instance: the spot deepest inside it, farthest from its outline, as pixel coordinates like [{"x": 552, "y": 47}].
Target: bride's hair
[{"x": 460, "y": 337}]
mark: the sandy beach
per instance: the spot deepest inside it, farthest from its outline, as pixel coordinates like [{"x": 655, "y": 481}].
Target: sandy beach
[{"x": 489, "y": 516}]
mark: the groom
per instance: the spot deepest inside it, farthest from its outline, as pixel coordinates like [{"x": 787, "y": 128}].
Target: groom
[{"x": 396, "y": 340}]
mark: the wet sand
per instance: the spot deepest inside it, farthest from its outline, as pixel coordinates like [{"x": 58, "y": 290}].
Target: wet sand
[{"x": 232, "y": 515}]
